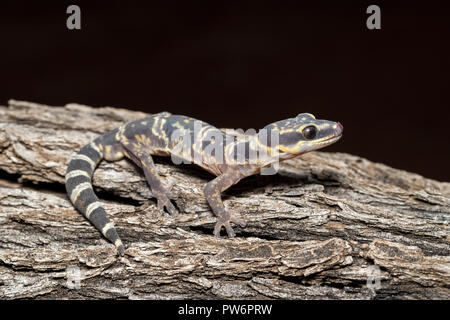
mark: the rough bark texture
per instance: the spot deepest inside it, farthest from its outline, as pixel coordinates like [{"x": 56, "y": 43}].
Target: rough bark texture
[{"x": 319, "y": 229}]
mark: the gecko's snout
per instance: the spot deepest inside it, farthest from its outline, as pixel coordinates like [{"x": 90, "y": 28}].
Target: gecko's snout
[{"x": 340, "y": 128}]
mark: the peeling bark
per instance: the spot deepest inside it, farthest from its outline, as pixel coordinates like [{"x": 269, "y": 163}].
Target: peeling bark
[{"x": 322, "y": 228}]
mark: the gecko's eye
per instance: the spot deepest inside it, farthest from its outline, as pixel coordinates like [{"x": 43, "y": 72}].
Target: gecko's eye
[{"x": 309, "y": 132}]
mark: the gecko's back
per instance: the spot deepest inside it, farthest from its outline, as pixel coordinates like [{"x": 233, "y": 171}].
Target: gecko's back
[{"x": 183, "y": 138}]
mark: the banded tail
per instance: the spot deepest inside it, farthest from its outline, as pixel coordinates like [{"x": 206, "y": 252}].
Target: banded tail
[{"x": 79, "y": 187}]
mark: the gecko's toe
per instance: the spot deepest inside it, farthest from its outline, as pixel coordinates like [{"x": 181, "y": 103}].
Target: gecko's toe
[
  {"x": 165, "y": 203},
  {"x": 171, "y": 208},
  {"x": 224, "y": 221},
  {"x": 228, "y": 228}
]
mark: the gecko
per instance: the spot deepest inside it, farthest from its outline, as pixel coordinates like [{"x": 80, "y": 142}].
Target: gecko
[{"x": 163, "y": 134}]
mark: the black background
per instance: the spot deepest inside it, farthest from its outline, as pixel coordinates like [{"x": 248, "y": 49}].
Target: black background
[{"x": 246, "y": 64}]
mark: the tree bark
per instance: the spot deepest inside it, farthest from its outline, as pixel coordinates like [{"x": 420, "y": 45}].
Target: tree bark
[{"x": 327, "y": 226}]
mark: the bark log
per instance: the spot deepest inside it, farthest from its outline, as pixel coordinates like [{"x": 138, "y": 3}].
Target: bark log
[{"x": 327, "y": 226}]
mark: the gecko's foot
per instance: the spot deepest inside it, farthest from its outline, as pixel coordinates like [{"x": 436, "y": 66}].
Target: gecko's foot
[
  {"x": 164, "y": 202},
  {"x": 225, "y": 222},
  {"x": 164, "y": 196}
]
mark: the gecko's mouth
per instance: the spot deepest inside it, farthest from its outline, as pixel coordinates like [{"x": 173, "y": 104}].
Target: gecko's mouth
[
  {"x": 330, "y": 140},
  {"x": 334, "y": 138}
]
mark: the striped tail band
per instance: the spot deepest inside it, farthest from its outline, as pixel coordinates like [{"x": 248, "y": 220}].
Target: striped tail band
[{"x": 79, "y": 189}]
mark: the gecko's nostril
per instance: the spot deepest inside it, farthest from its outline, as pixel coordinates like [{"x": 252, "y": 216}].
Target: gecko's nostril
[{"x": 341, "y": 127}]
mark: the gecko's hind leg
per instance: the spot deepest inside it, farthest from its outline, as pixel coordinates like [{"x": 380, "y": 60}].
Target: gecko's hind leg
[{"x": 159, "y": 191}]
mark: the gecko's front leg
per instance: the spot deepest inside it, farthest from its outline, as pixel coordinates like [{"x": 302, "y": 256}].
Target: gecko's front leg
[{"x": 213, "y": 190}]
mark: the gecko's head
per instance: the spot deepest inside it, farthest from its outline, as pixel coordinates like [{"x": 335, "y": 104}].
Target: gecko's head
[{"x": 303, "y": 133}]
